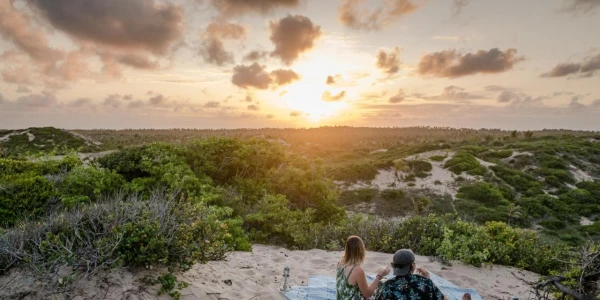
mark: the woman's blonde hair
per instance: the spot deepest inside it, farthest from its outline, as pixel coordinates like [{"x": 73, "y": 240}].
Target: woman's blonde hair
[{"x": 354, "y": 251}]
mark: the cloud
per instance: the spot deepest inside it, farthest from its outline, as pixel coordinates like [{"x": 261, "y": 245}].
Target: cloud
[
  {"x": 256, "y": 76},
  {"x": 212, "y": 104},
  {"x": 458, "y": 6},
  {"x": 575, "y": 106},
  {"x": 452, "y": 64},
  {"x": 133, "y": 24},
  {"x": 135, "y": 104},
  {"x": 212, "y": 48},
  {"x": 292, "y": 36},
  {"x": 596, "y": 103},
  {"x": 508, "y": 96},
  {"x": 389, "y": 62},
  {"x": 80, "y": 103},
  {"x": 253, "y": 107},
  {"x": 581, "y": 7},
  {"x": 23, "y": 89},
  {"x": 17, "y": 27},
  {"x": 238, "y": 7},
  {"x": 114, "y": 100},
  {"x": 586, "y": 68},
  {"x": 137, "y": 61},
  {"x": 399, "y": 97},
  {"x": 159, "y": 101},
  {"x": 333, "y": 79},
  {"x": 251, "y": 76},
  {"x": 43, "y": 100},
  {"x": 248, "y": 98},
  {"x": 296, "y": 113},
  {"x": 328, "y": 97},
  {"x": 283, "y": 77},
  {"x": 226, "y": 30},
  {"x": 1, "y": 98},
  {"x": 352, "y": 16},
  {"x": 17, "y": 76},
  {"x": 214, "y": 52},
  {"x": 255, "y": 55},
  {"x": 451, "y": 93}
]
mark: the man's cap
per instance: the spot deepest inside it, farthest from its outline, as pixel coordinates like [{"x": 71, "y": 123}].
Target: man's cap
[{"x": 402, "y": 261}]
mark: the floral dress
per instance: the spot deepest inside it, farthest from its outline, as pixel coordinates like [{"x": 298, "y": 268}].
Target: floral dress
[{"x": 346, "y": 291}]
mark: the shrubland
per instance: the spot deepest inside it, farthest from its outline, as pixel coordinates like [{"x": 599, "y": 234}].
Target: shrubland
[{"x": 185, "y": 202}]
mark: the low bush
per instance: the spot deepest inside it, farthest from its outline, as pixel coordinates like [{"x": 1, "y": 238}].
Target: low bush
[
  {"x": 465, "y": 162},
  {"x": 438, "y": 158},
  {"x": 162, "y": 230},
  {"x": 418, "y": 166}
]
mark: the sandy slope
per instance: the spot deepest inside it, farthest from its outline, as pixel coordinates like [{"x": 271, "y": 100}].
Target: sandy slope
[{"x": 257, "y": 275}]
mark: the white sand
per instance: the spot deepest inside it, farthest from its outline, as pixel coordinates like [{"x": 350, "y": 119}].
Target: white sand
[
  {"x": 387, "y": 179},
  {"x": 579, "y": 174},
  {"x": 257, "y": 275}
]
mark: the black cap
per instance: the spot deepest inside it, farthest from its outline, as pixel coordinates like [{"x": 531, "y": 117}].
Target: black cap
[{"x": 403, "y": 259}]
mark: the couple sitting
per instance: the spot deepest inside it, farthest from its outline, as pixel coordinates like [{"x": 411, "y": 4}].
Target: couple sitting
[{"x": 351, "y": 282}]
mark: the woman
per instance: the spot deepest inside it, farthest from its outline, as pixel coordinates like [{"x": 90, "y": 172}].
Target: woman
[{"x": 351, "y": 280}]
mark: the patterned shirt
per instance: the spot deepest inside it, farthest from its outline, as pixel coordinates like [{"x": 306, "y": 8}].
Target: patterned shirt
[{"x": 410, "y": 287}]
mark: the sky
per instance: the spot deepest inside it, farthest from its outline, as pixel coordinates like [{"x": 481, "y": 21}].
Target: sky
[{"x": 114, "y": 64}]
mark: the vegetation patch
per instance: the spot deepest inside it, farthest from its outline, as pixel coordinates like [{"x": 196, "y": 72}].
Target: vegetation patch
[{"x": 465, "y": 162}]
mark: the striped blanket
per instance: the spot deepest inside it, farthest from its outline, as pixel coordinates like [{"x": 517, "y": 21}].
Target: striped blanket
[{"x": 323, "y": 288}]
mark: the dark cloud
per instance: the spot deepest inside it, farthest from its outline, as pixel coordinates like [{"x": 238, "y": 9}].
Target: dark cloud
[
  {"x": 138, "y": 61},
  {"x": 283, "y": 77},
  {"x": 238, "y": 7},
  {"x": 452, "y": 64},
  {"x": 132, "y": 24},
  {"x": 351, "y": 15},
  {"x": 399, "y": 97},
  {"x": 226, "y": 30},
  {"x": 248, "y": 98},
  {"x": 458, "y": 6},
  {"x": 1, "y": 98},
  {"x": 589, "y": 67},
  {"x": 253, "y": 107},
  {"x": 269, "y": 116},
  {"x": 333, "y": 79},
  {"x": 389, "y": 62},
  {"x": 508, "y": 96},
  {"x": 251, "y": 76},
  {"x": 581, "y": 7},
  {"x": 23, "y": 89},
  {"x": 255, "y": 55},
  {"x": 81, "y": 102},
  {"x": 135, "y": 104},
  {"x": 159, "y": 101},
  {"x": 295, "y": 113},
  {"x": 256, "y": 76},
  {"x": 43, "y": 100},
  {"x": 212, "y": 48},
  {"x": 596, "y": 103},
  {"x": 17, "y": 27},
  {"x": 328, "y": 97},
  {"x": 214, "y": 52},
  {"x": 212, "y": 104},
  {"x": 292, "y": 36},
  {"x": 575, "y": 106},
  {"x": 113, "y": 100}
]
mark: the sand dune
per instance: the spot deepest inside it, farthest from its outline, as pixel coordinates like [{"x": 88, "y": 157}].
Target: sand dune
[{"x": 257, "y": 275}]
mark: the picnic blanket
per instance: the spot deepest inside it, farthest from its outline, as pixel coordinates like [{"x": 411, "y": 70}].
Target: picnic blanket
[{"x": 323, "y": 288}]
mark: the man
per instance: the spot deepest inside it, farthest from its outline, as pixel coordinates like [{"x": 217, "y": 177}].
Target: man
[{"x": 409, "y": 286}]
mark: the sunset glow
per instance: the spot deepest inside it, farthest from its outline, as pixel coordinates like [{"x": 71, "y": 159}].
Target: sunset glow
[{"x": 299, "y": 63}]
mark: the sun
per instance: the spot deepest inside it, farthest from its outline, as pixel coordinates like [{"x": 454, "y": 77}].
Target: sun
[{"x": 306, "y": 98}]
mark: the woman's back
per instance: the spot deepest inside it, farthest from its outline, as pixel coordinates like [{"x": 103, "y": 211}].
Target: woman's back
[{"x": 345, "y": 290}]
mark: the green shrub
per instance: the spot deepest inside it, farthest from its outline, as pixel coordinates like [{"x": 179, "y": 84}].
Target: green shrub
[
  {"x": 350, "y": 197},
  {"x": 495, "y": 155},
  {"x": 483, "y": 193},
  {"x": 25, "y": 197},
  {"x": 392, "y": 195},
  {"x": 519, "y": 180},
  {"x": 464, "y": 162},
  {"x": 438, "y": 158},
  {"x": 418, "y": 166},
  {"x": 83, "y": 184}
]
